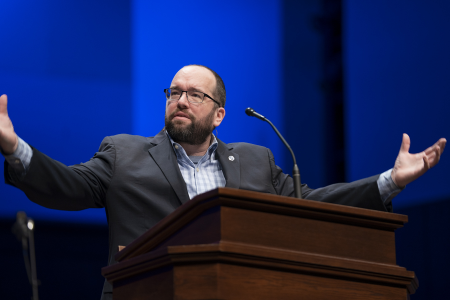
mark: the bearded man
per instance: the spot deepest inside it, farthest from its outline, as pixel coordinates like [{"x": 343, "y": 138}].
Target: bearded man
[{"x": 141, "y": 180}]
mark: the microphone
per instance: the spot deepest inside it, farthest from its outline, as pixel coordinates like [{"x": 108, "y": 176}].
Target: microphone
[
  {"x": 252, "y": 113},
  {"x": 295, "y": 171},
  {"x": 23, "y": 229},
  {"x": 20, "y": 227}
]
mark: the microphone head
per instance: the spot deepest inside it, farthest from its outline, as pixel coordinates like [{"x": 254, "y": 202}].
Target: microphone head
[{"x": 250, "y": 112}]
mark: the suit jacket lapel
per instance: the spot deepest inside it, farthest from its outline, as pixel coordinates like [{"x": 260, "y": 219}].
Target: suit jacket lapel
[
  {"x": 164, "y": 156},
  {"x": 231, "y": 166}
]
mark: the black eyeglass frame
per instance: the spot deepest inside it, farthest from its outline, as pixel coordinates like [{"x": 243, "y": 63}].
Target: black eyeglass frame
[{"x": 187, "y": 96}]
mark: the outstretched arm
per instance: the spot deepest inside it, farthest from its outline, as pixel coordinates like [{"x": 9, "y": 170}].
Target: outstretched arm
[{"x": 408, "y": 167}]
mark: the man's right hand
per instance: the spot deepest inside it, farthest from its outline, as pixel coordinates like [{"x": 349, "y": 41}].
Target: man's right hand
[{"x": 8, "y": 138}]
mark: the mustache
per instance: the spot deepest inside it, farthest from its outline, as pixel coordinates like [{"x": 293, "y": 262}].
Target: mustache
[{"x": 172, "y": 115}]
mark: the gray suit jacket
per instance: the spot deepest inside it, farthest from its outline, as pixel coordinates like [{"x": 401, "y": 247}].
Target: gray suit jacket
[{"x": 138, "y": 181}]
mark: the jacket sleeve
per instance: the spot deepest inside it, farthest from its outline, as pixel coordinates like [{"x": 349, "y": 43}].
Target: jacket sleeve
[
  {"x": 54, "y": 185},
  {"x": 362, "y": 193}
]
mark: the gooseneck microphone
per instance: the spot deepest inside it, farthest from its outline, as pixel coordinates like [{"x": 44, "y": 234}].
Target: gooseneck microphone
[{"x": 295, "y": 171}]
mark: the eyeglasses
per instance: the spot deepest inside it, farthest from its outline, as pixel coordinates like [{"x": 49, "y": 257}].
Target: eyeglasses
[{"x": 192, "y": 96}]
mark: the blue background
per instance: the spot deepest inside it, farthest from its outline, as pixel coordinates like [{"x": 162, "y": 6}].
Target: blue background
[
  {"x": 397, "y": 79},
  {"x": 77, "y": 71},
  {"x": 81, "y": 70}
]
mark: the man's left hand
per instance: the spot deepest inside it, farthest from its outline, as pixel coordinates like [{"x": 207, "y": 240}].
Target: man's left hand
[{"x": 408, "y": 167}]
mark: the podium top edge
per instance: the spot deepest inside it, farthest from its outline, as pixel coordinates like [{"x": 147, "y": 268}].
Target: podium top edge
[{"x": 301, "y": 204}]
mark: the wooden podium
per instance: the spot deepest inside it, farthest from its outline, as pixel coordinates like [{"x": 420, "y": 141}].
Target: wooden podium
[{"x": 236, "y": 244}]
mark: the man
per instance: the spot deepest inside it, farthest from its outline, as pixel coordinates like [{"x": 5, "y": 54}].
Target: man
[{"x": 142, "y": 180}]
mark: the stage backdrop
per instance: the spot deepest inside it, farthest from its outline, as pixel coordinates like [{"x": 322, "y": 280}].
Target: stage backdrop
[
  {"x": 397, "y": 81},
  {"x": 76, "y": 71}
]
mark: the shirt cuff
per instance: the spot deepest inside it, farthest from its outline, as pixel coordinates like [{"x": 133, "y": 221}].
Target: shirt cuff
[
  {"x": 388, "y": 189},
  {"x": 20, "y": 160}
]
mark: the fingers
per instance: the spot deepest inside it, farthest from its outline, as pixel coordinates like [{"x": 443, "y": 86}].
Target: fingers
[
  {"x": 406, "y": 143},
  {"x": 426, "y": 162},
  {"x": 442, "y": 142},
  {"x": 3, "y": 104},
  {"x": 438, "y": 154},
  {"x": 435, "y": 156}
]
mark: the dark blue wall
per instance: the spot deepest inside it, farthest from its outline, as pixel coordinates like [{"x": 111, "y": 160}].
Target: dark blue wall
[
  {"x": 66, "y": 68},
  {"x": 76, "y": 71},
  {"x": 63, "y": 64},
  {"x": 304, "y": 101},
  {"x": 397, "y": 80}
]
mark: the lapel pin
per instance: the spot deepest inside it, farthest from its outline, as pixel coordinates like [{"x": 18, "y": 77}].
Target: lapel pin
[{"x": 231, "y": 158}]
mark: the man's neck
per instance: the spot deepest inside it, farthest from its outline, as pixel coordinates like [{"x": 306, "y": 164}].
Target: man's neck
[{"x": 197, "y": 150}]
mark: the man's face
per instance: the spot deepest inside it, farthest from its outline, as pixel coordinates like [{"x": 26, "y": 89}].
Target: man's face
[{"x": 192, "y": 123}]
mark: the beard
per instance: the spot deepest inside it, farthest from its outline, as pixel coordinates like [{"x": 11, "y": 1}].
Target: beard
[{"x": 195, "y": 133}]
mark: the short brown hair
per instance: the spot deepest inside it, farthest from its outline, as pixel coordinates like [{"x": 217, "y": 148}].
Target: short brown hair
[{"x": 220, "y": 92}]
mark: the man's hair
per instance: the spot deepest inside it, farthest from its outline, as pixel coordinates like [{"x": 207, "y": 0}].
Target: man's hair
[{"x": 220, "y": 95}]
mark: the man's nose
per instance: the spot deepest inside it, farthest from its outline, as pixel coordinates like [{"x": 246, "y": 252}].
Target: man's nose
[{"x": 183, "y": 101}]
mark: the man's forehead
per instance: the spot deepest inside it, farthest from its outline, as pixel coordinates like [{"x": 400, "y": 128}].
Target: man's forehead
[{"x": 196, "y": 76}]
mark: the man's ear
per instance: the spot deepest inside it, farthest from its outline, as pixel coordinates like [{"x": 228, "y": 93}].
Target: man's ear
[{"x": 220, "y": 114}]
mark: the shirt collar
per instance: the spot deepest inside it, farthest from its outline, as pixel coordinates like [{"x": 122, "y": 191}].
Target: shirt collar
[{"x": 181, "y": 153}]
